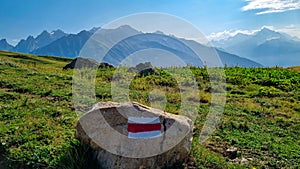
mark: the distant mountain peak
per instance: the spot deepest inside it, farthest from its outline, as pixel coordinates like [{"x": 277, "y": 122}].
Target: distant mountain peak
[
  {"x": 3, "y": 40},
  {"x": 84, "y": 32},
  {"x": 30, "y": 38},
  {"x": 4, "y": 45},
  {"x": 94, "y": 29},
  {"x": 265, "y": 29},
  {"x": 159, "y": 32},
  {"x": 126, "y": 28},
  {"x": 57, "y": 31},
  {"x": 267, "y": 32},
  {"x": 44, "y": 32},
  {"x": 241, "y": 35}
]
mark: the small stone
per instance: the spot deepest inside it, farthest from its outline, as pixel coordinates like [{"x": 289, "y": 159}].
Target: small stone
[
  {"x": 232, "y": 153},
  {"x": 244, "y": 161}
]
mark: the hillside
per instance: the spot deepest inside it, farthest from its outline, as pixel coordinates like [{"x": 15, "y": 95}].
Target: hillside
[
  {"x": 37, "y": 119},
  {"x": 295, "y": 68}
]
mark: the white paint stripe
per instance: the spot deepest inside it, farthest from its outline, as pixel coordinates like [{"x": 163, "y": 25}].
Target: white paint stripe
[
  {"x": 150, "y": 134},
  {"x": 143, "y": 120}
]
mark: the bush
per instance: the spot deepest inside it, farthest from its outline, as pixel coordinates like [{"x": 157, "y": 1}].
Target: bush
[{"x": 269, "y": 92}]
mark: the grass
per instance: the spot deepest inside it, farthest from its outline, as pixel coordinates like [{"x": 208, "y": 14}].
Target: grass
[
  {"x": 37, "y": 117},
  {"x": 294, "y": 68}
]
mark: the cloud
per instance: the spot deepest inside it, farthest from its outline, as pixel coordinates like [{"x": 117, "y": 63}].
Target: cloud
[
  {"x": 229, "y": 33},
  {"x": 292, "y": 30},
  {"x": 271, "y": 6}
]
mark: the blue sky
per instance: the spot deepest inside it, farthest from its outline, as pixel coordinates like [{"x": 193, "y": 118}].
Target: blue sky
[{"x": 20, "y": 18}]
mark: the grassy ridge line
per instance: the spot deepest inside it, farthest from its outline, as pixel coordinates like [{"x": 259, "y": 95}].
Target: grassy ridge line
[
  {"x": 55, "y": 58},
  {"x": 37, "y": 117},
  {"x": 295, "y": 68}
]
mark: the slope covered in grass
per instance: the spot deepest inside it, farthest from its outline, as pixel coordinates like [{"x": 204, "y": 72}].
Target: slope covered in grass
[
  {"x": 294, "y": 68},
  {"x": 37, "y": 119}
]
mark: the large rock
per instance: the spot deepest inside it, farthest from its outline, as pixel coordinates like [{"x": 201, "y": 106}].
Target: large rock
[
  {"x": 144, "y": 69},
  {"x": 105, "y": 65},
  {"x": 106, "y": 130},
  {"x": 81, "y": 63},
  {"x": 86, "y": 63}
]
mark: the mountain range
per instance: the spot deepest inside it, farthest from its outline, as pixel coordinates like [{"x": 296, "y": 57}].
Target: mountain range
[
  {"x": 45, "y": 38},
  {"x": 268, "y": 47},
  {"x": 178, "y": 47}
]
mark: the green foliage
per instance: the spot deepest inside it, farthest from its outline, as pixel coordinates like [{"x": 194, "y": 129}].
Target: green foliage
[
  {"x": 37, "y": 117},
  {"x": 77, "y": 156},
  {"x": 269, "y": 92}
]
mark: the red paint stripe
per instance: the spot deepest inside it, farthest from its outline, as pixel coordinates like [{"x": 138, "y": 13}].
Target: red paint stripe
[{"x": 135, "y": 128}]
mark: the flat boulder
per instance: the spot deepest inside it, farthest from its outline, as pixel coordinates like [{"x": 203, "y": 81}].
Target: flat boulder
[{"x": 132, "y": 135}]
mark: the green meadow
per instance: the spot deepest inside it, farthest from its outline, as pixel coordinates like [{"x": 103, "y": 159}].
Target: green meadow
[{"x": 261, "y": 118}]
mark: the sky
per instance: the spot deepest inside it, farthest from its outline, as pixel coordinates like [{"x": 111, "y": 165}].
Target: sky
[{"x": 214, "y": 18}]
